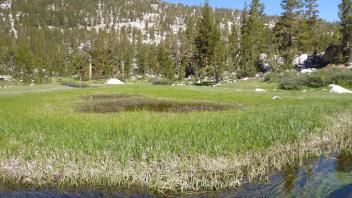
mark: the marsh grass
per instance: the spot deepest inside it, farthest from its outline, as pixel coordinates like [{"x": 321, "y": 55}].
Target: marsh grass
[
  {"x": 45, "y": 142},
  {"x": 175, "y": 173}
]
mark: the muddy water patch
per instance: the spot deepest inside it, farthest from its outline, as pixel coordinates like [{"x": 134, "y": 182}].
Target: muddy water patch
[{"x": 111, "y": 103}]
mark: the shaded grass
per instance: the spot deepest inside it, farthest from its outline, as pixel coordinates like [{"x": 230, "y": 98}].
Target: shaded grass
[{"x": 45, "y": 129}]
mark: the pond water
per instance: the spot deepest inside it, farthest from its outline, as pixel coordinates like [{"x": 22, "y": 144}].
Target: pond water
[{"x": 320, "y": 177}]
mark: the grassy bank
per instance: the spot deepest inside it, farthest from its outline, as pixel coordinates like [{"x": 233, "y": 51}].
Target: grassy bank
[{"x": 44, "y": 140}]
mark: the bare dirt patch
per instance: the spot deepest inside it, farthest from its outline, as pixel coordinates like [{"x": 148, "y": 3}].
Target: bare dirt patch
[{"x": 110, "y": 103}]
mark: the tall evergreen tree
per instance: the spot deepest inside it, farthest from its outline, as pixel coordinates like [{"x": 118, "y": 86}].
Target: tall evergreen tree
[
  {"x": 308, "y": 35},
  {"x": 204, "y": 44},
  {"x": 346, "y": 29},
  {"x": 252, "y": 34},
  {"x": 312, "y": 20},
  {"x": 287, "y": 29},
  {"x": 142, "y": 59},
  {"x": 165, "y": 61},
  {"x": 188, "y": 47},
  {"x": 219, "y": 54},
  {"x": 233, "y": 48}
]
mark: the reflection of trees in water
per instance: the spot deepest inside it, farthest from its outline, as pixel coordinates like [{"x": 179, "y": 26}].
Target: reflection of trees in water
[
  {"x": 290, "y": 174},
  {"x": 309, "y": 164},
  {"x": 344, "y": 162}
]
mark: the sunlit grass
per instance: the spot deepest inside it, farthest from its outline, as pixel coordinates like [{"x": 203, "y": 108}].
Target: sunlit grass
[{"x": 37, "y": 126}]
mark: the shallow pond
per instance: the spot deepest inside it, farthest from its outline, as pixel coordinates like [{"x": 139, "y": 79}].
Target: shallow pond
[{"x": 320, "y": 177}]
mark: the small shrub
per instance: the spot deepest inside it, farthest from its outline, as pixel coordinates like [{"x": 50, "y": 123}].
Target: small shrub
[
  {"x": 291, "y": 82},
  {"x": 345, "y": 83},
  {"x": 313, "y": 80},
  {"x": 272, "y": 77},
  {"x": 336, "y": 76},
  {"x": 325, "y": 77}
]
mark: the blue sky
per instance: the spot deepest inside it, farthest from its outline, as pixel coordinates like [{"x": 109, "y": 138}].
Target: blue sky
[{"x": 328, "y": 8}]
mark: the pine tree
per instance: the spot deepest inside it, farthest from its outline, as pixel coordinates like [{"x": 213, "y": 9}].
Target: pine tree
[
  {"x": 217, "y": 53},
  {"x": 80, "y": 61},
  {"x": 127, "y": 54},
  {"x": 188, "y": 47},
  {"x": 287, "y": 29},
  {"x": 252, "y": 34},
  {"x": 203, "y": 43},
  {"x": 308, "y": 35},
  {"x": 244, "y": 60},
  {"x": 114, "y": 56},
  {"x": 312, "y": 20},
  {"x": 346, "y": 29},
  {"x": 165, "y": 62},
  {"x": 233, "y": 48},
  {"x": 142, "y": 58}
]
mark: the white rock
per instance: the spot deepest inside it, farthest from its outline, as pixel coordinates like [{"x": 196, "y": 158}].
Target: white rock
[
  {"x": 308, "y": 71},
  {"x": 276, "y": 98},
  {"x": 263, "y": 57},
  {"x": 5, "y": 77},
  {"x": 339, "y": 90},
  {"x": 260, "y": 90},
  {"x": 304, "y": 91},
  {"x": 114, "y": 81},
  {"x": 302, "y": 59},
  {"x": 245, "y": 79}
]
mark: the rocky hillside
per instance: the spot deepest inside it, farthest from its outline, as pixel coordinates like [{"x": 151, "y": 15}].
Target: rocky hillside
[
  {"x": 152, "y": 18},
  {"x": 113, "y": 37}
]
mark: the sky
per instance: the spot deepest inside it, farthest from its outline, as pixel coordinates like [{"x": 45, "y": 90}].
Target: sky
[{"x": 328, "y": 8}]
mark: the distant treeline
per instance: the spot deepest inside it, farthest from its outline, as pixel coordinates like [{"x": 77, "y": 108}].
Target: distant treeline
[{"x": 118, "y": 38}]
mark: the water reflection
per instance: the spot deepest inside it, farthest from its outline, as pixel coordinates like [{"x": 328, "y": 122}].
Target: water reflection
[
  {"x": 344, "y": 162},
  {"x": 320, "y": 177}
]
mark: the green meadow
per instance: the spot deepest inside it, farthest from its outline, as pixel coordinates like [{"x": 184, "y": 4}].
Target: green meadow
[{"x": 46, "y": 140}]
